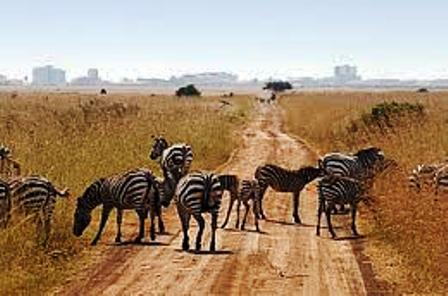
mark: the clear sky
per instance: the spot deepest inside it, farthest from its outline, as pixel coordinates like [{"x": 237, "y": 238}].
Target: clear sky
[{"x": 281, "y": 38}]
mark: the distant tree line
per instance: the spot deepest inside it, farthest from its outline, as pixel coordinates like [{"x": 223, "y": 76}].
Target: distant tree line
[{"x": 278, "y": 86}]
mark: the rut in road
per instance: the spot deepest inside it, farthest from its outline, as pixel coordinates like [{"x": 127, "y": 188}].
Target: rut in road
[{"x": 285, "y": 259}]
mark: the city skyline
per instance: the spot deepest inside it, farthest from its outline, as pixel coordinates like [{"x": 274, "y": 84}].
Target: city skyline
[{"x": 136, "y": 38}]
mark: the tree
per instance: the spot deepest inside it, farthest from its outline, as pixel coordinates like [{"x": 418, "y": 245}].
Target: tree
[
  {"x": 278, "y": 86},
  {"x": 188, "y": 91}
]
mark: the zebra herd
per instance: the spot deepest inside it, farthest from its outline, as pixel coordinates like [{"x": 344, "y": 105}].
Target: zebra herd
[{"x": 341, "y": 180}]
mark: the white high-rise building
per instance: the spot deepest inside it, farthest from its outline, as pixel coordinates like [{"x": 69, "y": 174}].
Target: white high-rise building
[
  {"x": 346, "y": 73},
  {"x": 48, "y": 75},
  {"x": 93, "y": 74},
  {"x": 3, "y": 79}
]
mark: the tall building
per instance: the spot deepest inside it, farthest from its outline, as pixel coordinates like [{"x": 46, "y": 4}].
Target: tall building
[
  {"x": 3, "y": 79},
  {"x": 346, "y": 73},
  {"x": 92, "y": 74},
  {"x": 48, "y": 75}
]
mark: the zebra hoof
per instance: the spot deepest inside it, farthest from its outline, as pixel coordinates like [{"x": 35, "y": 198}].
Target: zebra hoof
[
  {"x": 185, "y": 247},
  {"x": 118, "y": 240},
  {"x": 297, "y": 220},
  {"x": 94, "y": 243},
  {"x": 138, "y": 240}
]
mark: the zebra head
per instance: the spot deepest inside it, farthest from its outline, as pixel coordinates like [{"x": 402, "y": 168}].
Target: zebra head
[
  {"x": 84, "y": 206},
  {"x": 369, "y": 157},
  {"x": 157, "y": 147},
  {"x": 310, "y": 173},
  {"x": 4, "y": 151}
]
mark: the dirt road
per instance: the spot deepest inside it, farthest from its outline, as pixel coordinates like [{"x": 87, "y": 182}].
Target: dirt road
[{"x": 286, "y": 259}]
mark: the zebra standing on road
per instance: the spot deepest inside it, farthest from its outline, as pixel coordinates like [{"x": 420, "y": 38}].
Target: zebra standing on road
[
  {"x": 177, "y": 157},
  {"x": 197, "y": 193},
  {"x": 36, "y": 195},
  {"x": 5, "y": 204},
  {"x": 358, "y": 166},
  {"x": 229, "y": 183},
  {"x": 283, "y": 180},
  {"x": 135, "y": 189},
  {"x": 250, "y": 190},
  {"x": 339, "y": 190}
]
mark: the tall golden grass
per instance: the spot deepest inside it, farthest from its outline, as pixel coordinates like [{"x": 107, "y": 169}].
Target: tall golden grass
[
  {"x": 407, "y": 231},
  {"x": 73, "y": 139}
]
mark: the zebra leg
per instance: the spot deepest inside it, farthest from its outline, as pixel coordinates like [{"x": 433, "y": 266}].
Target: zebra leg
[
  {"x": 232, "y": 200},
  {"x": 152, "y": 226},
  {"x": 246, "y": 207},
  {"x": 353, "y": 210},
  {"x": 142, "y": 213},
  {"x": 159, "y": 217},
  {"x": 185, "y": 221},
  {"x": 201, "y": 224},
  {"x": 262, "y": 192},
  {"x": 119, "y": 221},
  {"x": 296, "y": 201},
  {"x": 330, "y": 227},
  {"x": 104, "y": 217},
  {"x": 319, "y": 215},
  {"x": 238, "y": 206},
  {"x": 255, "y": 211},
  {"x": 214, "y": 226}
]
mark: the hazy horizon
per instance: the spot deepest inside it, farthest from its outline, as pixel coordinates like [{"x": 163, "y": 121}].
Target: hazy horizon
[{"x": 251, "y": 38}]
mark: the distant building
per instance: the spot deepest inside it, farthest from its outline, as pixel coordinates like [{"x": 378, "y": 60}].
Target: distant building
[
  {"x": 345, "y": 73},
  {"x": 3, "y": 79},
  {"x": 92, "y": 78},
  {"x": 48, "y": 75},
  {"x": 206, "y": 78}
]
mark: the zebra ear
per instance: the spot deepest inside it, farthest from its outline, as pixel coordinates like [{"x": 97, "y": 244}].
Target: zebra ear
[{"x": 152, "y": 136}]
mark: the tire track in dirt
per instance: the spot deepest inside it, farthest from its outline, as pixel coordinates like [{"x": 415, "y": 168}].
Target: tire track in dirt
[{"x": 286, "y": 258}]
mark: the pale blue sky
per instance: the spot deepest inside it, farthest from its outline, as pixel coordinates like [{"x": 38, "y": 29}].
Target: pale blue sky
[{"x": 280, "y": 38}]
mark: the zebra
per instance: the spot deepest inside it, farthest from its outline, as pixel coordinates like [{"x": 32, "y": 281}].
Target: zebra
[
  {"x": 134, "y": 189},
  {"x": 229, "y": 183},
  {"x": 5, "y": 204},
  {"x": 441, "y": 179},
  {"x": 250, "y": 190},
  {"x": 358, "y": 166},
  {"x": 340, "y": 190},
  {"x": 197, "y": 193},
  {"x": 283, "y": 180},
  {"x": 424, "y": 176},
  {"x": 36, "y": 195},
  {"x": 177, "y": 157}
]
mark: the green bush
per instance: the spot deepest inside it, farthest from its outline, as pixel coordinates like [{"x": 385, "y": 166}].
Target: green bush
[{"x": 188, "y": 91}]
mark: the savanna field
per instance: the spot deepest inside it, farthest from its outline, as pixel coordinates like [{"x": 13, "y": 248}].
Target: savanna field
[
  {"x": 73, "y": 139},
  {"x": 406, "y": 231}
]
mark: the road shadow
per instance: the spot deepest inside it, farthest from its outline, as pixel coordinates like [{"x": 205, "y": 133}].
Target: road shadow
[
  {"x": 206, "y": 252},
  {"x": 349, "y": 238},
  {"x": 133, "y": 243}
]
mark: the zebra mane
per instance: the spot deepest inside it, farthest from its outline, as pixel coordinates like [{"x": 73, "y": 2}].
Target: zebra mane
[{"x": 91, "y": 197}]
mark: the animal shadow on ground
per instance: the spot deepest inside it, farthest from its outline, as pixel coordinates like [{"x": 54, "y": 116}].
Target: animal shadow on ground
[
  {"x": 288, "y": 223},
  {"x": 207, "y": 252},
  {"x": 245, "y": 230},
  {"x": 348, "y": 238},
  {"x": 132, "y": 243}
]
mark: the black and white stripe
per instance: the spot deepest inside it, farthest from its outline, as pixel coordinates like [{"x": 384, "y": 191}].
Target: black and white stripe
[
  {"x": 174, "y": 158},
  {"x": 197, "y": 193},
  {"x": 36, "y": 195},
  {"x": 441, "y": 180},
  {"x": 249, "y": 191},
  {"x": 229, "y": 183},
  {"x": 336, "y": 190},
  {"x": 283, "y": 180},
  {"x": 424, "y": 177},
  {"x": 135, "y": 189},
  {"x": 5, "y": 204}
]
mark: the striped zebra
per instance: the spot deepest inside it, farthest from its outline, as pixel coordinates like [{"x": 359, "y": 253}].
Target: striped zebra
[
  {"x": 229, "y": 183},
  {"x": 174, "y": 158},
  {"x": 358, "y": 166},
  {"x": 197, "y": 193},
  {"x": 423, "y": 177},
  {"x": 441, "y": 179},
  {"x": 283, "y": 180},
  {"x": 36, "y": 195},
  {"x": 5, "y": 204},
  {"x": 339, "y": 190},
  {"x": 249, "y": 191},
  {"x": 135, "y": 189}
]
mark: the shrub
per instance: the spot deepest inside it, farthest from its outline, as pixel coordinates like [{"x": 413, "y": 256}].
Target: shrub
[
  {"x": 188, "y": 91},
  {"x": 278, "y": 86}
]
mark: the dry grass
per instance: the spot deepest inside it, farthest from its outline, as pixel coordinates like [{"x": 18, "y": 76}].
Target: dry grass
[
  {"x": 73, "y": 139},
  {"x": 407, "y": 231}
]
